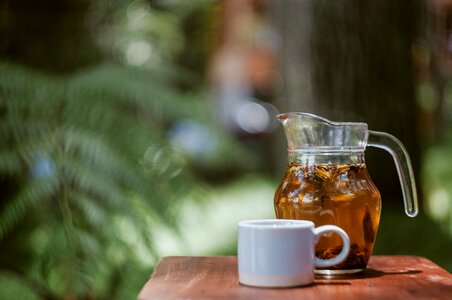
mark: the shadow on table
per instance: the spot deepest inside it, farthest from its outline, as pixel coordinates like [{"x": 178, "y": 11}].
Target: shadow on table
[
  {"x": 371, "y": 273},
  {"x": 368, "y": 273}
]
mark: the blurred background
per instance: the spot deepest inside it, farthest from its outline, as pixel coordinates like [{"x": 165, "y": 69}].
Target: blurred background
[{"x": 132, "y": 130}]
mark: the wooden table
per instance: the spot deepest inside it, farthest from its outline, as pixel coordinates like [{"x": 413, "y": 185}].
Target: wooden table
[{"x": 388, "y": 277}]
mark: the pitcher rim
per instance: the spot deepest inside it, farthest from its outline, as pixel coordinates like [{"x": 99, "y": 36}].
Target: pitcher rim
[
  {"x": 327, "y": 150},
  {"x": 314, "y": 116}
]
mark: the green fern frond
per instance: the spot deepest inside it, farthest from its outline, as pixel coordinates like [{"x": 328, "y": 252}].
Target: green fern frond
[
  {"x": 93, "y": 149},
  {"x": 88, "y": 180},
  {"x": 92, "y": 213},
  {"x": 36, "y": 192},
  {"x": 10, "y": 163},
  {"x": 132, "y": 86}
]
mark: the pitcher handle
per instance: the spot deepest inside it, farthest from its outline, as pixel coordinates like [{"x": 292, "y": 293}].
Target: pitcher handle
[{"x": 402, "y": 161}]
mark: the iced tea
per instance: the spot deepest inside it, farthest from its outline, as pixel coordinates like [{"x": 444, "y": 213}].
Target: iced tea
[{"x": 342, "y": 195}]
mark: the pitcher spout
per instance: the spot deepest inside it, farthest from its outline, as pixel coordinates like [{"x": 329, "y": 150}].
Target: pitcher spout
[{"x": 305, "y": 131}]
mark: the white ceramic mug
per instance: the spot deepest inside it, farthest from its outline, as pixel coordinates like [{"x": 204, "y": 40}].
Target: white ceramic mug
[{"x": 280, "y": 253}]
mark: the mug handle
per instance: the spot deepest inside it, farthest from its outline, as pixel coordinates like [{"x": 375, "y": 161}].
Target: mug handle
[{"x": 319, "y": 231}]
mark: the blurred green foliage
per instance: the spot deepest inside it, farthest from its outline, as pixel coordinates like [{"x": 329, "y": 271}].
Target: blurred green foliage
[
  {"x": 87, "y": 167},
  {"x": 420, "y": 236},
  {"x": 436, "y": 179},
  {"x": 75, "y": 152}
]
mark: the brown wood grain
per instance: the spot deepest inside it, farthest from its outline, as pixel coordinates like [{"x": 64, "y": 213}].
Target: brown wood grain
[{"x": 388, "y": 277}]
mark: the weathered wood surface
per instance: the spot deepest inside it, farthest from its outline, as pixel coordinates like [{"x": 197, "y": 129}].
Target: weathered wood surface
[{"x": 388, "y": 277}]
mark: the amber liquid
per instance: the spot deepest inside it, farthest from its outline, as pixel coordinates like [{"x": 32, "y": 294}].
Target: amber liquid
[{"x": 342, "y": 195}]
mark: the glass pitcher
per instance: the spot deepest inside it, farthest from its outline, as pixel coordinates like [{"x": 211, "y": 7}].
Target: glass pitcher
[{"x": 327, "y": 182}]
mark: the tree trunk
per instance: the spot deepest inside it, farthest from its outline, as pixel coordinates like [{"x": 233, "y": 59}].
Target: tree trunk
[{"x": 350, "y": 60}]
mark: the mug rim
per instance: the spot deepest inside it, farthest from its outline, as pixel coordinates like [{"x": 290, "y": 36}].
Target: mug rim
[{"x": 276, "y": 224}]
